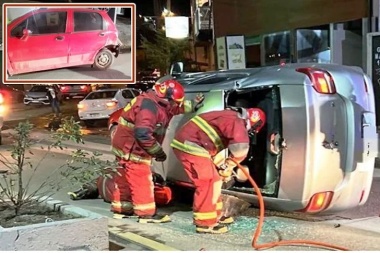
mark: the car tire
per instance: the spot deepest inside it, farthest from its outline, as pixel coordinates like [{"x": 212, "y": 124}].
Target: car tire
[
  {"x": 112, "y": 131},
  {"x": 89, "y": 123},
  {"x": 104, "y": 59}
]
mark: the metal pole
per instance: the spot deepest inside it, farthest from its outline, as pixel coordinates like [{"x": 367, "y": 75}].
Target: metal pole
[{"x": 169, "y": 5}]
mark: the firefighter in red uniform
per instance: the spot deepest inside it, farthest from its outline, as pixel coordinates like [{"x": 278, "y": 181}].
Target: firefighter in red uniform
[
  {"x": 195, "y": 145},
  {"x": 138, "y": 138}
]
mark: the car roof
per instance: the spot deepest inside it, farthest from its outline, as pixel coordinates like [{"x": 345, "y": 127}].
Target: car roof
[{"x": 255, "y": 77}]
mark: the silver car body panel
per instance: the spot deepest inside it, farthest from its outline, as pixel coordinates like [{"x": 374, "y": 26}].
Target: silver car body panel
[{"x": 331, "y": 138}]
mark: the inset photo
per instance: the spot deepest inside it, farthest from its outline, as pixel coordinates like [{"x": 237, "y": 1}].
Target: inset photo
[{"x": 69, "y": 43}]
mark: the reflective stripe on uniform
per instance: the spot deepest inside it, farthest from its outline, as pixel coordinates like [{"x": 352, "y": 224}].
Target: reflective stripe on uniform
[
  {"x": 210, "y": 131},
  {"x": 130, "y": 104},
  {"x": 123, "y": 122},
  {"x": 193, "y": 150},
  {"x": 188, "y": 106},
  {"x": 219, "y": 206},
  {"x": 122, "y": 204},
  {"x": 142, "y": 207},
  {"x": 154, "y": 149},
  {"x": 131, "y": 157},
  {"x": 205, "y": 216}
]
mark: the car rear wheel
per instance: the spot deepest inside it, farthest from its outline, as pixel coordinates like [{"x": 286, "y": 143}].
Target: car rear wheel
[
  {"x": 104, "y": 59},
  {"x": 113, "y": 131}
]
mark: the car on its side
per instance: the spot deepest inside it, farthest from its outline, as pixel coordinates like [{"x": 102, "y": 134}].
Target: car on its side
[
  {"x": 37, "y": 95},
  {"x": 52, "y": 38},
  {"x": 100, "y": 104},
  {"x": 75, "y": 90},
  {"x": 317, "y": 150}
]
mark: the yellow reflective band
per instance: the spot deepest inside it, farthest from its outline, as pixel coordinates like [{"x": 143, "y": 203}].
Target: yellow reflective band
[
  {"x": 123, "y": 122},
  {"x": 131, "y": 157},
  {"x": 219, "y": 206},
  {"x": 148, "y": 206},
  {"x": 122, "y": 204},
  {"x": 205, "y": 216},
  {"x": 189, "y": 149},
  {"x": 188, "y": 105},
  {"x": 156, "y": 147},
  {"x": 130, "y": 104},
  {"x": 211, "y": 133}
]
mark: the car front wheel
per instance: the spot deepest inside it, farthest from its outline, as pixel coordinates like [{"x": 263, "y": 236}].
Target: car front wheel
[{"x": 104, "y": 59}]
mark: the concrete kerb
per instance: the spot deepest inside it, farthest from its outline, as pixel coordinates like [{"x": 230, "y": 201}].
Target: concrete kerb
[{"x": 86, "y": 231}]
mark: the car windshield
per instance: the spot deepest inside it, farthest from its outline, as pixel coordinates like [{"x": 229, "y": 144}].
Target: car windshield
[
  {"x": 101, "y": 95},
  {"x": 39, "y": 89}
]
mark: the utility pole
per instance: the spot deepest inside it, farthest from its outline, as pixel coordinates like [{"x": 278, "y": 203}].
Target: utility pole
[{"x": 169, "y": 5}]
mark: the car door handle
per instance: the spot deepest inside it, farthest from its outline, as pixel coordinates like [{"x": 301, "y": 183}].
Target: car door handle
[
  {"x": 101, "y": 34},
  {"x": 59, "y": 38}
]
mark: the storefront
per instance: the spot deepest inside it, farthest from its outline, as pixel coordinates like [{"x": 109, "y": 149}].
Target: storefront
[{"x": 278, "y": 32}]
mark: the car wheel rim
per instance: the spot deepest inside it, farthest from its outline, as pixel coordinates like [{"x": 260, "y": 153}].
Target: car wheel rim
[{"x": 103, "y": 59}]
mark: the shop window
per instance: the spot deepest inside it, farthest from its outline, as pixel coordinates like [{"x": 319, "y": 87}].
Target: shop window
[
  {"x": 277, "y": 48},
  {"x": 313, "y": 45}
]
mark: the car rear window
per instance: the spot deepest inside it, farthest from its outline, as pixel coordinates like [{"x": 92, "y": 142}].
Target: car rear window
[
  {"x": 39, "y": 88},
  {"x": 101, "y": 95}
]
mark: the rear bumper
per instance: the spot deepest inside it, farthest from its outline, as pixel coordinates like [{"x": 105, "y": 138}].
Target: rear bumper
[{"x": 93, "y": 115}]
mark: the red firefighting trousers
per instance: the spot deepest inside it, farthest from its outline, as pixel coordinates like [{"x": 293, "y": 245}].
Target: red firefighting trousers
[
  {"x": 207, "y": 205},
  {"x": 135, "y": 190}
]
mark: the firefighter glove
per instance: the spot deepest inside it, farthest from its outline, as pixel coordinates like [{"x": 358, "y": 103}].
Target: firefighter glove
[
  {"x": 198, "y": 101},
  {"x": 160, "y": 156}
]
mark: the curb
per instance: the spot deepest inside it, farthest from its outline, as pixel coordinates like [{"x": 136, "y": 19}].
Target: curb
[{"x": 140, "y": 240}]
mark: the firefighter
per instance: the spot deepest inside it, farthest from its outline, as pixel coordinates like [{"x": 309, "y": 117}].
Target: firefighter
[
  {"x": 196, "y": 144},
  {"x": 138, "y": 138}
]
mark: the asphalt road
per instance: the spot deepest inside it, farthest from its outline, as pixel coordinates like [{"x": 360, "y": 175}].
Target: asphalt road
[{"x": 121, "y": 69}]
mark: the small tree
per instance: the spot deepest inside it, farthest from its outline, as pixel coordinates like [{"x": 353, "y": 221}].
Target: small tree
[
  {"x": 15, "y": 193},
  {"x": 163, "y": 51}
]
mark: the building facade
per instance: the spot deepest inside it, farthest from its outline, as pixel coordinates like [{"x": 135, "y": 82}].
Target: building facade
[{"x": 278, "y": 32}]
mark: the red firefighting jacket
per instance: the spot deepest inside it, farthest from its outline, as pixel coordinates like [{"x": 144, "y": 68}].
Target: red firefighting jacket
[
  {"x": 142, "y": 127},
  {"x": 209, "y": 133}
]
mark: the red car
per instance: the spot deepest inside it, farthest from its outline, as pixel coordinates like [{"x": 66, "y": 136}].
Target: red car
[
  {"x": 113, "y": 121},
  {"x": 51, "y": 38}
]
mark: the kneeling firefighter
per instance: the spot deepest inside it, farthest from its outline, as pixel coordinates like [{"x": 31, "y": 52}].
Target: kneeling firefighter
[
  {"x": 198, "y": 142},
  {"x": 138, "y": 139}
]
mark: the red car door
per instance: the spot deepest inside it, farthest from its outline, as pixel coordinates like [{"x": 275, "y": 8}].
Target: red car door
[
  {"x": 89, "y": 35},
  {"x": 38, "y": 41}
]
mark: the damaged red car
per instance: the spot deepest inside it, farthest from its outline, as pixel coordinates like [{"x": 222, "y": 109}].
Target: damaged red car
[{"x": 52, "y": 38}]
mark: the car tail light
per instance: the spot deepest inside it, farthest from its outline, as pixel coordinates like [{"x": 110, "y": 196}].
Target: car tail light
[
  {"x": 63, "y": 88},
  {"x": 319, "y": 202},
  {"x": 83, "y": 87},
  {"x": 111, "y": 103},
  {"x": 80, "y": 106},
  {"x": 1, "y": 98},
  {"x": 321, "y": 80}
]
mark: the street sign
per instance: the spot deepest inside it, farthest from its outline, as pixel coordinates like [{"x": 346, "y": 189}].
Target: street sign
[{"x": 373, "y": 68}]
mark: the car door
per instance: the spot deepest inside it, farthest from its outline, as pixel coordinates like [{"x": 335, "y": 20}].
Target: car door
[
  {"x": 88, "y": 36},
  {"x": 172, "y": 168},
  {"x": 45, "y": 46}
]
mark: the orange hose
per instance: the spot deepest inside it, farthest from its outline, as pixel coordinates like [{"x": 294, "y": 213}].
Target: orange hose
[{"x": 269, "y": 245}]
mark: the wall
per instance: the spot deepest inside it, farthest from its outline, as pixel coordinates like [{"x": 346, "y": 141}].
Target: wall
[{"x": 347, "y": 47}]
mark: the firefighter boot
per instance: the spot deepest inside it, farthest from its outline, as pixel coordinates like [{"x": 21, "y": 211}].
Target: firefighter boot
[
  {"x": 120, "y": 216},
  {"x": 157, "y": 218},
  {"x": 79, "y": 194},
  {"x": 218, "y": 229},
  {"x": 226, "y": 220}
]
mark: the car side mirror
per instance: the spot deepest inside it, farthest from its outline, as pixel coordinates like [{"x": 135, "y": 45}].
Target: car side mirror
[
  {"x": 25, "y": 34},
  {"x": 176, "y": 68}
]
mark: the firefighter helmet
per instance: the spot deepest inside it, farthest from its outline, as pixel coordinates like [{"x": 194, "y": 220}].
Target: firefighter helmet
[
  {"x": 256, "y": 118},
  {"x": 171, "y": 90}
]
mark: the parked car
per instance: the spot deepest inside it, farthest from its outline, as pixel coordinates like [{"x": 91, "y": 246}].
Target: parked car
[
  {"x": 38, "y": 94},
  {"x": 64, "y": 32},
  {"x": 11, "y": 94},
  {"x": 99, "y": 105},
  {"x": 317, "y": 151},
  {"x": 74, "y": 90},
  {"x": 140, "y": 86}
]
